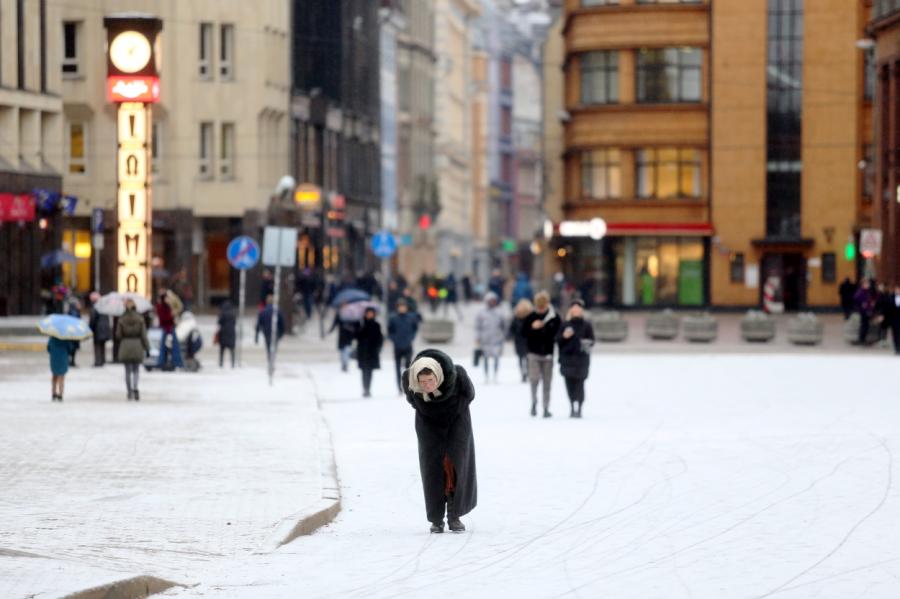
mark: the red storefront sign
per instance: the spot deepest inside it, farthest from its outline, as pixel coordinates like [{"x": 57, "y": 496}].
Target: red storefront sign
[
  {"x": 16, "y": 207},
  {"x": 132, "y": 88}
]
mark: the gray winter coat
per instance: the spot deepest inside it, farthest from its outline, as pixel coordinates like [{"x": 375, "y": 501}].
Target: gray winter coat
[
  {"x": 131, "y": 332},
  {"x": 490, "y": 330}
]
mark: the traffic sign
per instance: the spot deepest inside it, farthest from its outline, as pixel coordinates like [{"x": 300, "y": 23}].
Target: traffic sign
[
  {"x": 280, "y": 246},
  {"x": 97, "y": 220},
  {"x": 243, "y": 252},
  {"x": 383, "y": 244}
]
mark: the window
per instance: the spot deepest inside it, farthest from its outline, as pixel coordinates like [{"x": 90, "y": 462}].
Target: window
[
  {"x": 506, "y": 168},
  {"x": 155, "y": 147},
  {"x": 829, "y": 268},
  {"x": 70, "y": 66},
  {"x": 506, "y": 121},
  {"x": 226, "y": 52},
  {"x": 736, "y": 268},
  {"x": 599, "y": 77},
  {"x": 669, "y": 75},
  {"x": 205, "y": 64},
  {"x": 226, "y": 155},
  {"x": 77, "y": 144},
  {"x": 668, "y": 173},
  {"x": 506, "y": 74},
  {"x": 601, "y": 174},
  {"x": 206, "y": 150}
]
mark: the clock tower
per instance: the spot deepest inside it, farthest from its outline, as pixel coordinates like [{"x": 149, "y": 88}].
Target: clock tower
[{"x": 132, "y": 82}]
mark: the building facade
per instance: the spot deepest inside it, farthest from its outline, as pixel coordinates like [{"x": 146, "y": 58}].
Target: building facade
[
  {"x": 721, "y": 146},
  {"x": 30, "y": 153},
  {"x": 219, "y": 141}
]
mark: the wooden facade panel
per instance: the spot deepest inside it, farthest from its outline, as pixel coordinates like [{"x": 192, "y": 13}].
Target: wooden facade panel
[
  {"x": 637, "y": 29},
  {"x": 641, "y": 211},
  {"x": 635, "y": 128}
]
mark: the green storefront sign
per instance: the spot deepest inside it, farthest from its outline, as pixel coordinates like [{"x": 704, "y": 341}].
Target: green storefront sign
[{"x": 690, "y": 283}]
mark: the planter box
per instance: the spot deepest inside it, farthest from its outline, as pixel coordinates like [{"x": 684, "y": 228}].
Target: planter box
[
  {"x": 757, "y": 326},
  {"x": 662, "y": 325},
  {"x": 437, "y": 331},
  {"x": 805, "y": 329},
  {"x": 610, "y": 327},
  {"x": 851, "y": 330},
  {"x": 700, "y": 328}
]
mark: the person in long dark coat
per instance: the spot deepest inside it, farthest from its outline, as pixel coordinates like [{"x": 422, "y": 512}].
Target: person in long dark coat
[
  {"x": 575, "y": 339},
  {"x": 517, "y": 333},
  {"x": 369, "y": 340},
  {"x": 102, "y": 330},
  {"x": 865, "y": 305},
  {"x": 440, "y": 392},
  {"x": 227, "y": 335},
  {"x": 846, "y": 291},
  {"x": 893, "y": 317},
  {"x": 347, "y": 330}
]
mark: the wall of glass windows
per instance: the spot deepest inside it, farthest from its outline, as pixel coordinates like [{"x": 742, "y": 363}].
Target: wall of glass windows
[
  {"x": 663, "y": 173},
  {"x": 669, "y": 75},
  {"x": 599, "y": 77}
]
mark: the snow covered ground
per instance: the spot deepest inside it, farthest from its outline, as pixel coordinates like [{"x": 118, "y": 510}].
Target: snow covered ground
[{"x": 697, "y": 476}]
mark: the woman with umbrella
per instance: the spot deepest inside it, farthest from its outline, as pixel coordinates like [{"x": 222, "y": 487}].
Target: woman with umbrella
[
  {"x": 63, "y": 332},
  {"x": 131, "y": 331}
]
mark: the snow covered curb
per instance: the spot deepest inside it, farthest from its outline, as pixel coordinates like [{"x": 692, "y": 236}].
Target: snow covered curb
[{"x": 130, "y": 588}]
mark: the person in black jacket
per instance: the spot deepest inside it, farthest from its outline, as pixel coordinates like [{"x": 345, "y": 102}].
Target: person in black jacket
[
  {"x": 264, "y": 325},
  {"x": 402, "y": 328},
  {"x": 892, "y": 315},
  {"x": 347, "y": 330},
  {"x": 846, "y": 291},
  {"x": 100, "y": 326},
  {"x": 575, "y": 339},
  {"x": 541, "y": 327},
  {"x": 517, "y": 334},
  {"x": 369, "y": 340},
  {"x": 227, "y": 336},
  {"x": 440, "y": 392}
]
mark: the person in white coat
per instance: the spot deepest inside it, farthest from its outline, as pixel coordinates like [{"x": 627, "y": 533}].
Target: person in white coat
[{"x": 490, "y": 333}]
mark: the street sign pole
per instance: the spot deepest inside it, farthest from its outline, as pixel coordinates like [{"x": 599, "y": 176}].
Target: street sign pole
[
  {"x": 242, "y": 253},
  {"x": 279, "y": 249},
  {"x": 241, "y": 298}
]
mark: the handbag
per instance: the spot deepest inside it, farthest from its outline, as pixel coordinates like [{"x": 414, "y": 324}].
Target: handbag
[
  {"x": 216, "y": 338},
  {"x": 478, "y": 355}
]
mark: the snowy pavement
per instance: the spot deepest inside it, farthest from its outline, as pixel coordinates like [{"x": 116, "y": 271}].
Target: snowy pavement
[{"x": 690, "y": 476}]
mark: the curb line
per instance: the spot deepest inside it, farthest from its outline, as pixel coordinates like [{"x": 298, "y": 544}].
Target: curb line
[
  {"x": 32, "y": 347},
  {"x": 129, "y": 588}
]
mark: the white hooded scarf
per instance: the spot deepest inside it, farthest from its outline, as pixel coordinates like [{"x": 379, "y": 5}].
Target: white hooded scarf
[{"x": 417, "y": 367}]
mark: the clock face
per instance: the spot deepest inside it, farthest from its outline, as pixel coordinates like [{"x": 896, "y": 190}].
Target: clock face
[{"x": 130, "y": 51}]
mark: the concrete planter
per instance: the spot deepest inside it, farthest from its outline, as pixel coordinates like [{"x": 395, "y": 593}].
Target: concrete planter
[
  {"x": 700, "y": 328},
  {"x": 610, "y": 327},
  {"x": 437, "y": 331},
  {"x": 757, "y": 326},
  {"x": 851, "y": 330},
  {"x": 662, "y": 325},
  {"x": 805, "y": 329}
]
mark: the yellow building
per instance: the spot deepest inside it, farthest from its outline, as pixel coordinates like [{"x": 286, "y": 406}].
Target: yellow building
[{"x": 721, "y": 146}]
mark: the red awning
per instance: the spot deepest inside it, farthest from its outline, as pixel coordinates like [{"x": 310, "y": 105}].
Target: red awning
[
  {"x": 656, "y": 229},
  {"x": 16, "y": 207}
]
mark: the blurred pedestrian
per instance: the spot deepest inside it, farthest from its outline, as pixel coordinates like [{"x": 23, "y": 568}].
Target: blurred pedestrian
[
  {"x": 440, "y": 392},
  {"x": 266, "y": 287},
  {"x": 883, "y": 299},
  {"x": 131, "y": 332},
  {"x": 100, "y": 326},
  {"x": 575, "y": 339},
  {"x": 517, "y": 334},
  {"x": 305, "y": 285},
  {"x": 73, "y": 309},
  {"x": 467, "y": 288},
  {"x": 59, "y": 365},
  {"x": 369, "y": 340},
  {"x": 264, "y": 325},
  {"x": 227, "y": 335},
  {"x": 402, "y": 328},
  {"x": 522, "y": 289},
  {"x": 166, "y": 318},
  {"x": 347, "y": 330},
  {"x": 490, "y": 333},
  {"x": 893, "y": 316},
  {"x": 496, "y": 284},
  {"x": 541, "y": 327},
  {"x": 451, "y": 297},
  {"x": 864, "y": 300},
  {"x": 847, "y": 290}
]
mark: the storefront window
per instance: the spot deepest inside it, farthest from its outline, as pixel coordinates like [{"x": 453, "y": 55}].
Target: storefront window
[
  {"x": 79, "y": 277},
  {"x": 668, "y": 173},
  {"x": 663, "y": 271},
  {"x": 601, "y": 174}
]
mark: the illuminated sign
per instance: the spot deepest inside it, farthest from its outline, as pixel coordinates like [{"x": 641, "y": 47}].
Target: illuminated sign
[
  {"x": 594, "y": 228},
  {"x": 308, "y": 195},
  {"x": 129, "y": 88},
  {"x": 133, "y": 234}
]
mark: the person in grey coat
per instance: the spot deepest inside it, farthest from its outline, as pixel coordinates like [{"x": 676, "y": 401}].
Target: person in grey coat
[
  {"x": 490, "y": 333},
  {"x": 131, "y": 332},
  {"x": 440, "y": 392}
]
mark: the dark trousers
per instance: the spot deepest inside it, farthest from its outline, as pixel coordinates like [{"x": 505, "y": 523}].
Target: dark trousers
[
  {"x": 367, "y": 379},
  {"x": 864, "y": 320},
  {"x": 575, "y": 389},
  {"x": 222, "y": 349},
  {"x": 99, "y": 353},
  {"x": 402, "y": 359},
  {"x": 895, "y": 335}
]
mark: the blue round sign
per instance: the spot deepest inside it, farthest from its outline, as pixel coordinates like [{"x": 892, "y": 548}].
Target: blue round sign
[
  {"x": 383, "y": 244},
  {"x": 243, "y": 252}
]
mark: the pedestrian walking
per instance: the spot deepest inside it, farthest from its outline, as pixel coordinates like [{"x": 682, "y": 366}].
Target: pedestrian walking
[
  {"x": 883, "y": 299},
  {"x": 522, "y": 289},
  {"x": 490, "y": 333},
  {"x": 347, "y": 330},
  {"x": 864, "y": 300},
  {"x": 100, "y": 326},
  {"x": 451, "y": 297},
  {"x": 893, "y": 317},
  {"x": 226, "y": 334},
  {"x": 496, "y": 284},
  {"x": 846, "y": 291},
  {"x": 440, "y": 392},
  {"x": 575, "y": 339},
  {"x": 517, "y": 334},
  {"x": 131, "y": 332},
  {"x": 403, "y": 326},
  {"x": 369, "y": 340},
  {"x": 73, "y": 309},
  {"x": 166, "y": 316},
  {"x": 264, "y": 325},
  {"x": 541, "y": 327},
  {"x": 59, "y": 350}
]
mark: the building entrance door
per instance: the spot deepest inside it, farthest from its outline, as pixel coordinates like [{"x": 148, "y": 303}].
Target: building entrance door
[{"x": 787, "y": 272}]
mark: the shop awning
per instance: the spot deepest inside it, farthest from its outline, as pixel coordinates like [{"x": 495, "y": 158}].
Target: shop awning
[{"x": 657, "y": 229}]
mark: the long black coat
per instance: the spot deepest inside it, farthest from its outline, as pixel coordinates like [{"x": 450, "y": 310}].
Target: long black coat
[
  {"x": 517, "y": 334},
  {"x": 574, "y": 360},
  {"x": 369, "y": 340},
  {"x": 227, "y": 324},
  {"x": 444, "y": 428}
]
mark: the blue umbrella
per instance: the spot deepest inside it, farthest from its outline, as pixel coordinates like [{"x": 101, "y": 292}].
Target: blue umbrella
[
  {"x": 348, "y": 296},
  {"x": 64, "y": 327},
  {"x": 55, "y": 258}
]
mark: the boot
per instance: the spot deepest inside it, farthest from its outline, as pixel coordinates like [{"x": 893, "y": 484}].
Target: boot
[
  {"x": 534, "y": 408},
  {"x": 137, "y": 396},
  {"x": 573, "y": 413},
  {"x": 130, "y": 394},
  {"x": 437, "y": 527},
  {"x": 547, "y": 413},
  {"x": 453, "y": 522},
  {"x": 578, "y": 411}
]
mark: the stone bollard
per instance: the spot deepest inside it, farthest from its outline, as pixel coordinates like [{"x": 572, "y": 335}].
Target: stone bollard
[
  {"x": 437, "y": 331},
  {"x": 609, "y": 326},
  {"x": 757, "y": 326},
  {"x": 662, "y": 325},
  {"x": 700, "y": 328},
  {"x": 851, "y": 330},
  {"x": 805, "y": 329}
]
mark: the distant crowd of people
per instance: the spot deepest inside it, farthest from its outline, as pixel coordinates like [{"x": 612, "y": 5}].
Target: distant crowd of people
[{"x": 878, "y": 308}]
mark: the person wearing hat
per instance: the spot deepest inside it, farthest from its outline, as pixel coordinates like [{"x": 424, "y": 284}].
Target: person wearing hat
[
  {"x": 402, "y": 328},
  {"x": 440, "y": 392},
  {"x": 541, "y": 327},
  {"x": 575, "y": 339}
]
